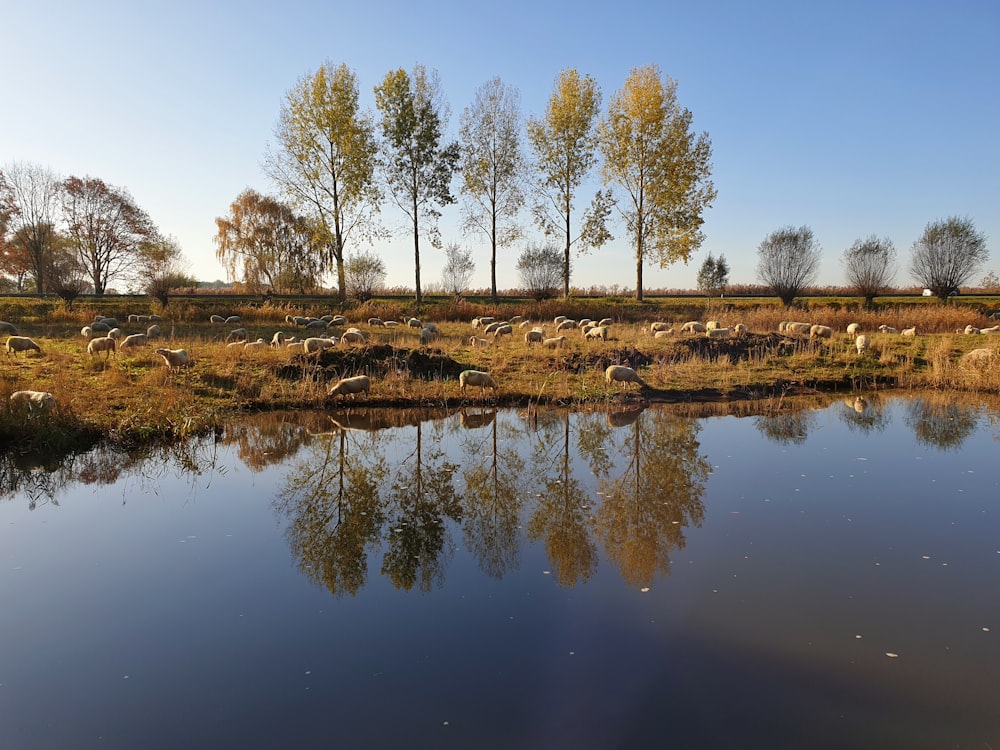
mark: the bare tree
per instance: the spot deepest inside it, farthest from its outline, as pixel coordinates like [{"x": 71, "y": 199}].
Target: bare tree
[
  {"x": 947, "y": 254},
  {"x": 788, "y": 261},
  {"x": 870, "y": 266},
  {"x": 365, "y": 275},
  {"x": 35, "y": 193},
  {"x": 541, "y": 269},
  {"x": 458, "y": 268}
]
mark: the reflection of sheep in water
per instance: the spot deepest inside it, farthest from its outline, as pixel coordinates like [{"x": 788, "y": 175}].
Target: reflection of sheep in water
[
  {"x": 351, "y": 386},
  {"x": 622, "y": 374},
  {"x": 475, "y": 420},
  {"x": 476, "y": 377}
]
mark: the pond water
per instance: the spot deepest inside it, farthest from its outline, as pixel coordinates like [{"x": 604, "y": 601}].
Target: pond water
[{"x": 798, "y": 578}]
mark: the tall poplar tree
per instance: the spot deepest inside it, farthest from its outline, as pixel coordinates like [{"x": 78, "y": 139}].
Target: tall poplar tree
[
  {"x": 493, "y": 167},
  {"x": 564, "y": 142},
  {"x": 326, "y": 158},
  {"x": 658, "y": 167},
  {"x": 418, "y": 166}
]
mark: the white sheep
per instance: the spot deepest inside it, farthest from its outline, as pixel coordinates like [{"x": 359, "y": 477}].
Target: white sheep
[
  {"x": 972, "y": 330},
  {"x": 597, "y": 332},
  {"x": 977, "y": 358},
  {"x": 718, "y": 333},
  {"x": 316, "y": 325},
  {"x": 375, "y": 322},
  {"x": 255, "y": 346},
  {"x": 353, "y": 337},
  {"x": 154, "y": 332},
  {"x": 174, "y": 358},
  {"x": 802, "y": 328},
  {"x": 482, "y": 321},
  {"x": 556, "y": 342},
  {"x": 414, "y": 323},
  {"x": 664, "y": 334},
  {"x": 476, "y": 377},
  {"x": 558, "y": 319},
  {"x": 218, "y": 319},
  {"x": 740, "y": 329},
  {"x": 427, "y": 335},
  {"x": 820, "y": 332},
  {"x": 622, "y": 374},
  {"x": 491, "y": 327},
  {"x": 693, "y": 326},
  {"x": 232, "y": 320},
  {"x": 33, "y": 401},
  {"x": 534, "y": 336},
  {"x": 87, "y": 332},
  {"x": 351, "y": 386},
  {"x": 990, "y": 330},
  {"x": 476, "y": 341},
  {"x": 584, "y": 322},
  {"x": 711, "y": 325},
  {"x": 505, "y": 330},
  {"x": 8, "y": 328},
  {"x": 853, "y": 329},
  {"x": 116, "y": 333},
  {"x": 315, "y": 345},
  {"x": 338, "y": 320},
  {"x": 238, "y": 334},
  {"x": 605, "y": 322},
  {"x": 17, "y": 344},
  {"x": 565, "y": 325},
  {"x": 136, "y": 339},
  {"x": 909, "y": 331},
  {"x": 109, "y": 322},
  {"x": 516, "y": 320},
  {"x": 861, "y": 342},
  {"x": 104, "y": 344},
  {"x": 888, "y": 329}
]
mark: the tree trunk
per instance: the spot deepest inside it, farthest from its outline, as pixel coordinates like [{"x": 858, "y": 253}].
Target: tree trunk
[
  {"x": 638, "y": 277},
  {"x": 493, "y": 258},
  {"x": 416, "y": 257}
]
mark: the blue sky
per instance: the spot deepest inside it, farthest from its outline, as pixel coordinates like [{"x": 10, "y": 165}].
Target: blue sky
[{"x": 854, "y": 118}]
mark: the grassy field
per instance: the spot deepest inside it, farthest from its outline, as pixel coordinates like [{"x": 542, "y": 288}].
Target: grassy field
[{"x": 133, "y": 398}]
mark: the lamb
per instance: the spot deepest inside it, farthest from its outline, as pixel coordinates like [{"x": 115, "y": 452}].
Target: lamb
[
  {"x": 136, "y": 339},
  {"x": 476, "y": 377},
  {"x": 598, "y": 332},
  {"x": 33, "y": 401},
  {"x": 104, "y": 344},
  {"x": 18, "y": 344},
  {"x": 351, "y": 386},
  {"x": 8, "y": 328},
  {"x": 887, "y": 329},
  {"x": 820, "y": 332},
  {"x": 534, "y": 336},
  {"x": 556, "y": 342},
  {"x": 116, "y": 333},
  {"x": 622, "y": 374},
  {"x": 87, "y": 332},
  {"x": 909, "y": 331},
  {"x": 861, "y": 342},
  {"x": 853, "y": 329},
  {"x": 154, "y": 332},
  {"x": 174, "y": 358}
]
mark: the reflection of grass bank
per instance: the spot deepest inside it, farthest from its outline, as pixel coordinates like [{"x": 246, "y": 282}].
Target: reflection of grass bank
[{"x": 134, "y": 399}]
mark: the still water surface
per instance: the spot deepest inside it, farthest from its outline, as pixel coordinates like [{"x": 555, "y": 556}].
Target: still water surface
[{"x": 796, "y": 579}]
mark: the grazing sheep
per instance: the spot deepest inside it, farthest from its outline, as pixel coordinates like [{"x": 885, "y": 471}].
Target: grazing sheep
[
  {"x": 238, "y": 334},
  {"x": 338, "y": 320},
  {"x": 278, "y": 339},
  {"x": 255, "y": 346},
  {"x": 390, "y": 323},
  {"x": 505, "y": 330},
  {"x": 605, "y": 322},
  {"x": 887, "y": 329},
  {"x": 104, "y": 344},
  {"x": 482, "y": 321},
  {"x": 19, "y": 344},
  {"x": 87, "y": 332},
  {"x": 587, "y": 326},
  {"x": 658, "y": 326},
  {"x": 351, "y": 386},
  {"x": 971, "y": 329},
  {"x": 375, "y": 322},
  {"x": 174, "y": 358},
  {"x": 154, "y": 331},
  {"x": 585, "y": 322},
  {"x": 476, "y": 377},
  {"x": 739, "y": 329},
  {"x": 136, "y": 339},
  {"x": 565, "y": 325},
  {"x": 861, "y": 342},
  {"x": 413, "y": 323},
  {"x": 516, "y": 320},
  {"x": 295, "y": 347},
  {"x": 476, "y": 341},
  {"x": 523, "y": 323},
  {"x": 534, "y": 336},
  {"x": 597, "y": 332},
  {"x": 664, "y": 334},
  {"x": 109, "y": 322},
  {"x": 491, "y": 327},
  {"x": 820, "y": 332},
  {"x": 718, "y": 333},
  {"x": 909, "y": 331},
  {"x": 154, "y": 319},
  {"x": 116, "y": 333},
  {"x": 328, "y": 318},
  {"x": 353, "y": 337},
  {"x": 32, "y": 401},
  {"x": 99, "y": 326},
  {"x": 990, "y": 330},
  {"x": 558, "y": 319},
  {"x": 853, "y": 329},
  {"x": 233, "y": 320},
  {"x": 316, "y": 325},
  {"x": 803, "y": 328},
  {"x": 427, "y": 335},
  {"x": 133, "y": 318},
  {"x": 217, "y": 319},
  {"x": 622, "y": 374},
  {"x": 557, "y": 342},
  {"x": 315, "y": 345},
  {"x": 8, "y": 328},
  {"x": 693, "y": 326},
  {"x": 712, "y": 325}
]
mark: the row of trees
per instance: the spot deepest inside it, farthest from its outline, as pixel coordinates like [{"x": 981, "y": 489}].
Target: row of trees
[
  {"x": 72, "y": 235},
  {"x": 335, "y": 164}
]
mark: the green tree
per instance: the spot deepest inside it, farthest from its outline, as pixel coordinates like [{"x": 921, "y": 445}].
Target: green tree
[
  {"x": 418, "y": 165},
  {"x": 947, "y": 255},
  {"x": 713, "y": 276},
  {"x": 870, "y": 266},
  {"x": 788, "y": 261},
  {"x": 564, "y": 144},
  {"x": 107, "y": 229},
  {"x": 35, "y": 193},
  {"x": 325, "y": 161},
  {"x": 493, "y": 167},
  {"x": 365, "y": 275},
  {"x": 658, "y": 166}
]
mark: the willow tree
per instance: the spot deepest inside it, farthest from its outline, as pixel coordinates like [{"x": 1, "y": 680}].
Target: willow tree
[
  {"x": 870, "y": 266},
  {"x": 493, "y": 167},
  {"x": 947, "y": 254},
  {"x": 564, "y": 144},
  {"x": 325, "y": 160},
  {"x": 658, "y": 167},
  {"x": 418, "y": 165}
]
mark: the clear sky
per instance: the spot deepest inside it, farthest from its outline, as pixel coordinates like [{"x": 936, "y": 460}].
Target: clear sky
[{"x": 854, "y": 118}]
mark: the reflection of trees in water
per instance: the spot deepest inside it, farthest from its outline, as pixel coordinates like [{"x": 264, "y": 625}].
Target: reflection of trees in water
[
  {"x": 659, "y": 491},
  {"x": 561, "y": 518},
  {"x": 491, "y": 507},
  {"x": 421, "y": 497},
  {"x": 787, "y": 426},
  {"x": 268, "y": 439},
  {"x": 940, "y": 421},
  {"x": 863, "y": 414},
  {"x": 332, "y": 497}
]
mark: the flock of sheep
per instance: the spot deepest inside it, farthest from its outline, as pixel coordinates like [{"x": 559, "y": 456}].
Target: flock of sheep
[{"x": 105, "y": 337}]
